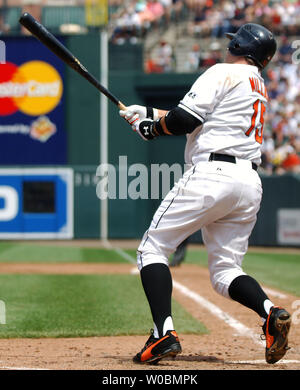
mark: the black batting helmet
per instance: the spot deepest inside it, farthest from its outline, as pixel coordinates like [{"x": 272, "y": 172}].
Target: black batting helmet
[{"x": 253, "y": 41}]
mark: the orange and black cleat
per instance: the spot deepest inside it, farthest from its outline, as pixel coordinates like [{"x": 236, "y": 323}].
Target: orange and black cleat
[
  {"x": 276, "y": 329},
  {"x": 157, "y": 348}
]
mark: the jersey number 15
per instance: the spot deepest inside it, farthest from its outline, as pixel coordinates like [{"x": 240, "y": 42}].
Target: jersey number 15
[{"x": 260, "y": 127}]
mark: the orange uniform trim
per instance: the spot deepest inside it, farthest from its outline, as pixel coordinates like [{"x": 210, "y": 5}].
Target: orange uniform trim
[
  {"x": 147, "y": 354},
  {"x": 164, "y": 126},
  {"x": 269, "y": 338}
]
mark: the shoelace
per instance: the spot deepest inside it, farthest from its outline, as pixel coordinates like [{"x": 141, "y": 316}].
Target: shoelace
[{"x": 263, "y": 328}]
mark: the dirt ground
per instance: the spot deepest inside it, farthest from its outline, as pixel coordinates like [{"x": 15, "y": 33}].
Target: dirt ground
[{"x": 222, "y": 349}]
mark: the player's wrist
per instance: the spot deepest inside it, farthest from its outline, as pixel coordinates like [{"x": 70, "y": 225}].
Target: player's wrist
[
  {"x": 159, "y": 131},
  {"x": 146, "y": 129},
  {"x": 149, "y": 129},
  {"x": 152, "y": 113}
]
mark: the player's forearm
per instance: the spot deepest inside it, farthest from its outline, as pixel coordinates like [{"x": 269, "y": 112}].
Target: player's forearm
[
  {"x": 160, "y": 112},
  {"x": 152, "y": 122}
]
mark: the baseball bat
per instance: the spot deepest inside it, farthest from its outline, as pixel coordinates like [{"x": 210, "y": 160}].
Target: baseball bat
[{"x": 49, "y": 40}]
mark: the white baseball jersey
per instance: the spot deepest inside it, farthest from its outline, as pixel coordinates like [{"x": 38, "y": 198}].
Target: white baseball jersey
[
  {"x": 230, "y": 100},
  {"x": 218, "y": 197}
]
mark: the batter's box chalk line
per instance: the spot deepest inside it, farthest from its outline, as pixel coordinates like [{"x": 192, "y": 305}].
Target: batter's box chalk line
[
  {"x": 284, "y": 361},
  {"x": 240, "y": 328}
]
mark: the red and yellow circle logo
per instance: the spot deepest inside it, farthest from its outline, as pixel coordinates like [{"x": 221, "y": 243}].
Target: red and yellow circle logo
[{"x": 34, "y": 88}]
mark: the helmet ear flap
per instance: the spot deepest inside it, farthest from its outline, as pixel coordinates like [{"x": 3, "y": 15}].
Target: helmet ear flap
[{"x": 234, "y": 46}]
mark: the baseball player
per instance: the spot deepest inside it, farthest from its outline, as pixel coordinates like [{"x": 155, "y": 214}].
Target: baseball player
[{"x": 223, "y": 118}]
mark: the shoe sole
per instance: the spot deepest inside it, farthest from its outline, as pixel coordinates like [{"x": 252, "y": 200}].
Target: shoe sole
[
  {"x": 172, "y": 351},
  {"x": 279, "y": 348}
]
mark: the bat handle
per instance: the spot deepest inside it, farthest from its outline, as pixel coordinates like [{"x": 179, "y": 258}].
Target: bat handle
[{"x": 121, "y": 106}]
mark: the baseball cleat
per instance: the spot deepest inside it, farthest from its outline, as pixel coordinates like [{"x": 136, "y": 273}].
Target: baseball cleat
[
  {"x": 157, "y": 348},
  {"x": 276, "y": 329}
]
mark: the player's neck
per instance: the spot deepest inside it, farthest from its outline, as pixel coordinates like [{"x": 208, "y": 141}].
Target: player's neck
[
  {"x": 236, "y": 60},
  {"x": 230, "y": 59},
  {"x": 239, "y": 61}
]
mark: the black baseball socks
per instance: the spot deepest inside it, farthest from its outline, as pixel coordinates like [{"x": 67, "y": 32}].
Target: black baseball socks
[
  {"x": 157, "y": 283},
  {"x": 246, "y": 290}
]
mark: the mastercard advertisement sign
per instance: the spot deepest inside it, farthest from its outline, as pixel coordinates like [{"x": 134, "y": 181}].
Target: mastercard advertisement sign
[{"x": 32, "y": 127}]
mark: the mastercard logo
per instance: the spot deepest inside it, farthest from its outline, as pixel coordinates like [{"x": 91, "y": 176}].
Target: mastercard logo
[{"x": 34, "y": 88}]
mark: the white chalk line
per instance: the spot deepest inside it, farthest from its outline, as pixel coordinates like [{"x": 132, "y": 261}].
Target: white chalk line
[
  {"x": 23, "y": 368},
  {"x": 274, "y": 293},
  {"x": 120, "y": 252},
  {"x": 126, "y": 256},
  {"x": 212, "y": 308},
  {"x": 284, "y": 361},
  {"x": 240, "y": 328}
]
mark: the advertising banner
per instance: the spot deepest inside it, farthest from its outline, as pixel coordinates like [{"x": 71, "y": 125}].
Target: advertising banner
[
  {"x": 36, "y": 203},
  {"x": 32, "y": 105},
  {"x": 288, "y": 226},
  {"x": 96, "y": 12}
]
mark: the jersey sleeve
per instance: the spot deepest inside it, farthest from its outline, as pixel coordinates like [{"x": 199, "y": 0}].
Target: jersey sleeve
[{"x": 205, "y": 93}]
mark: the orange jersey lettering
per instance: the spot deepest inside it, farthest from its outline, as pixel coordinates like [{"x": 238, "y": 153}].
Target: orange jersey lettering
[{"x": 258, "y": 86}]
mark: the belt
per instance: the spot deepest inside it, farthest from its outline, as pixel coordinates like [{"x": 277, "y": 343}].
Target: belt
[{"x": 227, "y": 158}]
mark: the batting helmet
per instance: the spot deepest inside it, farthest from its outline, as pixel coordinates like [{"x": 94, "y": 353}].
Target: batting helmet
[{"x": 253, "y": 41}]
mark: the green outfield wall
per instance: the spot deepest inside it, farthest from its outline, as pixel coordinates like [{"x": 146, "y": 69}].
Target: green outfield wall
[
  {"x": 277, "y": 223},
  {"x": 128, "y": 218}
]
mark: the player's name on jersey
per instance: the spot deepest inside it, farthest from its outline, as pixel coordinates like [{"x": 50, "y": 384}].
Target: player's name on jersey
[{"x": 258, "y": 86}]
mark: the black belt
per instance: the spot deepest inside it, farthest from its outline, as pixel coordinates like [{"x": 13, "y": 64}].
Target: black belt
[{"x": 227, "y": 158}]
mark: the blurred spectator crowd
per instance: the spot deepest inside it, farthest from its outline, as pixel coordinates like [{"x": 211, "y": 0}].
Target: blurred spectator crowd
[
  {"x": 138, "y": 17},
  {"x": 281, "y": 146},
  {"x": 212, "y": 19},
  {"x": 206, "y": 18},
  {"x": 132, "y": 20}
]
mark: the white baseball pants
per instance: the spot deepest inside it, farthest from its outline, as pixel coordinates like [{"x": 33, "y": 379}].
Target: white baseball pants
[{"x": 222, "y": 199}]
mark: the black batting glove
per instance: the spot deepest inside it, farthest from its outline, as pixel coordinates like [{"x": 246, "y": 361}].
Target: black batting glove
[{"x": 146, "y": 130}]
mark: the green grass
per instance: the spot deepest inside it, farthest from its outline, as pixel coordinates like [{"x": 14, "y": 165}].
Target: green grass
[
  {"x": 30, "y": 253},
  {"x": 196, "y": 256},
  {"x": 104, "y": 305},
  {"x": 273, "y": 269},
  {"x": 80, "y": 306}
]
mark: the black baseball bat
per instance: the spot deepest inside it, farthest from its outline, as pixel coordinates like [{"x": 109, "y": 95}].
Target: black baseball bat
[{"x": 49, "y": 40}]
